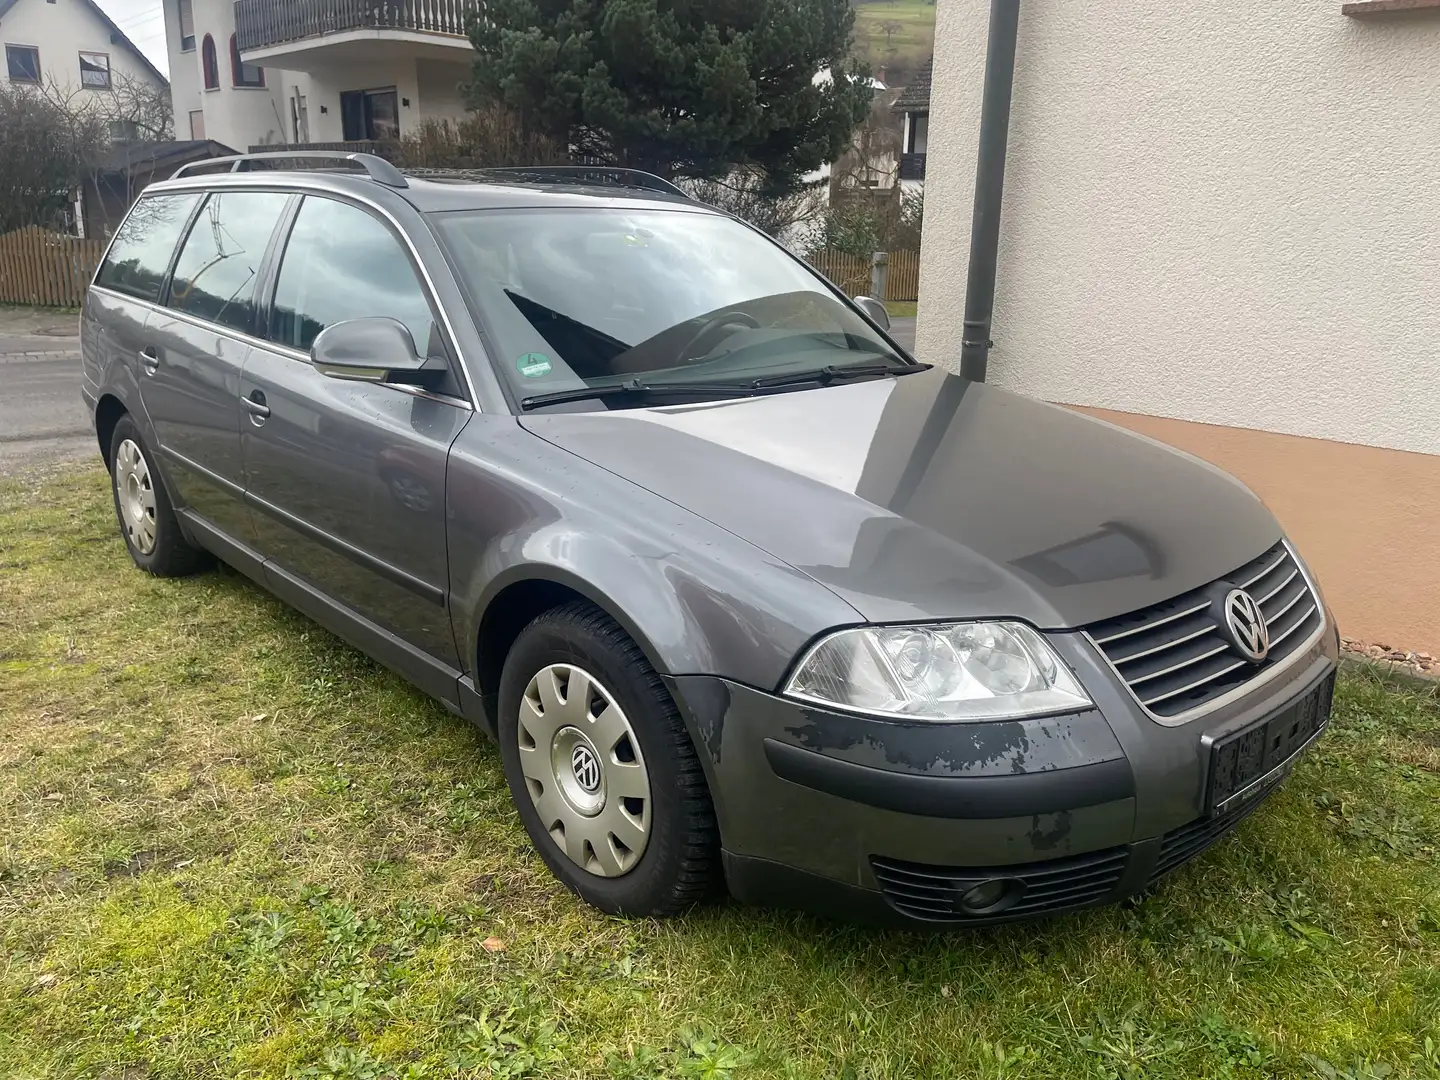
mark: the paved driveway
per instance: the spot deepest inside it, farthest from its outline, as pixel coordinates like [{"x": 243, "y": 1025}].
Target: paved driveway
[
  {"x": 903, "y": 331},
  {"x": 42, "y": 419}
]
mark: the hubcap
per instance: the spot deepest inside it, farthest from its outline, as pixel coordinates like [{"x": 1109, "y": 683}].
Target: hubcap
[
  {"x": 583, "y": 770},
  {"x": 135, "y": 494}
]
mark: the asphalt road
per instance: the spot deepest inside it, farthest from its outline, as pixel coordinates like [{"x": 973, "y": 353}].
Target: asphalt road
[{"x": 42, "y": 418}]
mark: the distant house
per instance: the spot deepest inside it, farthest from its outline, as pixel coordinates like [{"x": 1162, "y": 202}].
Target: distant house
[
  {"x": 913, "y": 105},
  {"x": 315, "y": 72},
  {"x": 71, "y": 48}
]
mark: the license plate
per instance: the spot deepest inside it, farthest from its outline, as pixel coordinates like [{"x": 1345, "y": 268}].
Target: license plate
[{"x": 1244, "y": 764}]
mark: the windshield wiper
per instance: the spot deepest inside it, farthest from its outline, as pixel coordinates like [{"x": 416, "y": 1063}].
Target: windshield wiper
[
  {"x": 835, "y": 373},
  {"x": 636, "y": 388}
]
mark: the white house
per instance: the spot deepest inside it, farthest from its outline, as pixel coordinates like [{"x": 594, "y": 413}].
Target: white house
[
  {"x": 71, "y": 46},
  {"x": 1221, "y": 228},
  {"x": 247, "y": 72}
]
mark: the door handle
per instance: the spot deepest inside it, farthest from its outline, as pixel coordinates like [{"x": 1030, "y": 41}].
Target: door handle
[
  {"x": 149, "y": 360},
  {"x": 255, "y": 405}
]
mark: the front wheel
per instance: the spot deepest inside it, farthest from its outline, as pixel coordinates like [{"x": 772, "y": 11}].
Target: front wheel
[{"x": 601, "y": 768}]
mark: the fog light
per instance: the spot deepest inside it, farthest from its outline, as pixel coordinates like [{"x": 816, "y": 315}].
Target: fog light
[{"x": 991, "y": 897}]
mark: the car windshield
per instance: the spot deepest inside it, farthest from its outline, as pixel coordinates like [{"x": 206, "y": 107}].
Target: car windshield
[{"x": 599, "y": 297}]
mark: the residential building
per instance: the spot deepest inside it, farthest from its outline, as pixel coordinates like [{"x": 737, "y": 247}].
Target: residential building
[
  {"x": 913, "y": 105},
  {"x": 251, "y": 72},
  {"x": 72, "y": 50},
  {"x": 1221, "y": 229}
]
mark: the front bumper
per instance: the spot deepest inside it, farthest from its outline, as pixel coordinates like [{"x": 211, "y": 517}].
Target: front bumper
[{"x": 893, "y": 823}]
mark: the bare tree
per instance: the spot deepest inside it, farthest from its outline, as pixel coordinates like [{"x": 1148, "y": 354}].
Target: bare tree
[
  {"x": 891, "y": 27},
  {"x": 46, "y": 151},
  {"x": 791, "y": 218}
]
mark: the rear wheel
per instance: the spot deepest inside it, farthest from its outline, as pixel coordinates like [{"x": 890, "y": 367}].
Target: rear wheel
[
  {"x": 601, "y": 768},
  {"x": 142, "y": 505}
]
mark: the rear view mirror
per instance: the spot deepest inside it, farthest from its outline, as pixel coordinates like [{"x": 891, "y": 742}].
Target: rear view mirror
[
  {"x": 875, "y": 309},
  {"x": 365, "y": 350}
]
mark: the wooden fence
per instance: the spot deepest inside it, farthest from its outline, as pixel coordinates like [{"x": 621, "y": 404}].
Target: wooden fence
[
  {"x": 46, "y": 269},
  {"x": 852, "y": 273}
]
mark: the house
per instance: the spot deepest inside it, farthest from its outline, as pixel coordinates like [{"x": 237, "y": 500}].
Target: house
[
  {"x": 251, "y": 72},
  {"x": 1221, "y": 229},
  {"x": 913, "y": 105},
  {"x": 71, "y": 49}
]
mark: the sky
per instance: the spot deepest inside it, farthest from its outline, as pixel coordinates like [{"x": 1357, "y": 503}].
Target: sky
[{"x": 143, "y": 22}]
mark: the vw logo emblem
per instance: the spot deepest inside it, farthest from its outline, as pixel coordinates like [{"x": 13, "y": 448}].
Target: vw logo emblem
[
  {"x": 586, "y": 767},
  {"x": 1245, "y": 624}
]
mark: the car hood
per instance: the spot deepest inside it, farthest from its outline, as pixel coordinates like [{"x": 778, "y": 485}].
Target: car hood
[{"x": 930, "y": 496}]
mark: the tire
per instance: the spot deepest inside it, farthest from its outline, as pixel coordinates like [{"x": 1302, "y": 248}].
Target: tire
[
  {"x": 143, "y": 508},
  {"x": 654, "y": 856}
]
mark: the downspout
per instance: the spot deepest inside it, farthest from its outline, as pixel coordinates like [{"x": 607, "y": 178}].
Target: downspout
[{"x": 989, "y": 187}]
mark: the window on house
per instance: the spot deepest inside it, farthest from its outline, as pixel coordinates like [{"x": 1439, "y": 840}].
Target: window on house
[
  {"x": 241, "y": 73},
  {"x": 22, "y": 62},
  {"x": 123, "y": 130},
  {"x": 197, "y": 124},
  {"x": 187, "y": 26},
  {"x": 370, "y": 114},
  {"x": 209, "y": 63},
  {"x": 95, "y": 70}
]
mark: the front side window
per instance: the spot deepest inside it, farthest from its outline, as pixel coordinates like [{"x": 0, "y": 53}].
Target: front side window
[
  {"x": 140, "y": 255},
  {"x": 342, "y": 263},
  {"x": 95, "y": 70},
  {"x": 583, "y": 297},
  {"x": 241, "y": 73},
  {"x": 215, "y": 276},
  {"x": 22, "y": 63}
]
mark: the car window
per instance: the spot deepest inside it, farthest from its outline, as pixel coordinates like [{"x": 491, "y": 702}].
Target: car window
[
  {"x": 579, "y": 297},
  {"x": 140, "y": 255},
  {"x": 343, "y": 263},
  {"x": 219, "y": 266}
]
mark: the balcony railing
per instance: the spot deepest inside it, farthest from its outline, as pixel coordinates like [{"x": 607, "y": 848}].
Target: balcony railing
[
  {"x": 262, "y": 23},
  {"x": 912, "y": 166}
]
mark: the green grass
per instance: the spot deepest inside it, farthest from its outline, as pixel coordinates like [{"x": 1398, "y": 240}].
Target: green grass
[
  {"x": 900, "y": 309},
  {"x": 910, "y": 42},
  {"x": 232, "y": 846}
]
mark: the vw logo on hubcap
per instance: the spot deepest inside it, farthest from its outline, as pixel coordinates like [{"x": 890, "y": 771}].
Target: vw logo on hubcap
[
  {"x": 586, "y": 767},
  {"x": 1245, "y": 626}
]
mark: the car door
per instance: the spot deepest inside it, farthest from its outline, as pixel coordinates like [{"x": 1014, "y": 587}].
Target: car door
[
  {"x": 346, "y": 480},
  {"x": 127, "y": 286},
  {"x": 196, "y": 346}
]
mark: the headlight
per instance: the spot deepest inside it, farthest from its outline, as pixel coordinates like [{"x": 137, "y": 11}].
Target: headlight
[{"x": 959, "y": 671}]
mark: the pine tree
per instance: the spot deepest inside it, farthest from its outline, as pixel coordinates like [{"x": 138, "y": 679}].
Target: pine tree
[{"x": 682, "y": 88}]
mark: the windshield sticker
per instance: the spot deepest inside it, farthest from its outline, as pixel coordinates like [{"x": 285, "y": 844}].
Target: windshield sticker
[{"x": 533, "y": 365}]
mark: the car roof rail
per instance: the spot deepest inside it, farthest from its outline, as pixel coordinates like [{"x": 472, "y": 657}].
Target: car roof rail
[
  {"x": 377, "y": 168},
  {"x": 598, "y": 175}
]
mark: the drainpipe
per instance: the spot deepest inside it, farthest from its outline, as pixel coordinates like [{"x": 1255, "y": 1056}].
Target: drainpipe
[{"x": 989, "y": 187}]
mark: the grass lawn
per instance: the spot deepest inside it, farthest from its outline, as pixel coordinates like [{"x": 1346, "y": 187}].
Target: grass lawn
[
  {"x": 232, "y": 846},
  {"x": 900, "y": 309},
  {"x": 910, "y": 42}
]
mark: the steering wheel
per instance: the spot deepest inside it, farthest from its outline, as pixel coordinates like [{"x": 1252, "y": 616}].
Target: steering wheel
[{"x": 719, "y": 327}]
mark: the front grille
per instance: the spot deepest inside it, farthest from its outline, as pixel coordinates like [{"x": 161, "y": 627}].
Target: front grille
[
  {"x": 1173, "y": 655},
  {"x": 933, "y": 892},
  {"x": 1183, "y": 844}
]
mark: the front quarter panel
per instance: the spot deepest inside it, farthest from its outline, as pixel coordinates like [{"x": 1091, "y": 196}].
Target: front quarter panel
[{"x": 696, "y": 598}]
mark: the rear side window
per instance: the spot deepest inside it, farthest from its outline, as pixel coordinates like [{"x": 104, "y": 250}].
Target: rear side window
[
  {"x": 342, "y": 263},
  {"x": 141, "y": 252},
  {"x": 216, "y": 273}
]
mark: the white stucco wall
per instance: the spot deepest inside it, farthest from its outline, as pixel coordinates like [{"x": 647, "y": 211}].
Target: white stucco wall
[
  {"x": 62, "y": 31},
  {"x": 236, "y": 116},
  {"x": 1225, "y": 212}
]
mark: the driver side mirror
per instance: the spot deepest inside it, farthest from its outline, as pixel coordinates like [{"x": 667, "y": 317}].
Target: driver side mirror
[
  {"x": 875, "y": 310},
  {"x": 366, "y": 350}
]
